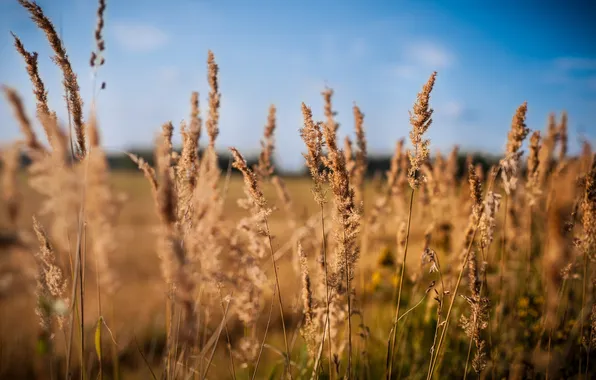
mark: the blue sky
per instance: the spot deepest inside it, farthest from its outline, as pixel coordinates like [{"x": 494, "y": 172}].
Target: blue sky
[{"x": 490, "y": 58}]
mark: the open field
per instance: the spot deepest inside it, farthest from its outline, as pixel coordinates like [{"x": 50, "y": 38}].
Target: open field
[
  {"x": 136, "y": 265},
  {"x": 182, "y": 270}
]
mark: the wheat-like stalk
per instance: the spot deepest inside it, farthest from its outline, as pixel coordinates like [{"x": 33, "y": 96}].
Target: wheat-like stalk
[
  {"x": 70, "y": 82},
  {"x": 47, "y": 118},
  {"x": 256, "y": 197},
  {"x": 420, "y": 119},
  {"x": 101, "y": 209},
  {"x": 24, "y": 122},
  {"x": 97, "y": 58}
]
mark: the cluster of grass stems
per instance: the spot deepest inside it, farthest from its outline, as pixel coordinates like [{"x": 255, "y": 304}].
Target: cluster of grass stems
[{"x": 501, "y": 283}]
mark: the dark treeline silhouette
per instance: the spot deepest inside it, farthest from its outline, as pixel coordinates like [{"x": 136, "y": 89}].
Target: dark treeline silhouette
[
  {"x": 380, "y": 164},
  {"x": 377, "y": 164}
]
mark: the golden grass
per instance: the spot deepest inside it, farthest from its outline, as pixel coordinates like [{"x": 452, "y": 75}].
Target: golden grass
[{"x": 175, "y": 272}]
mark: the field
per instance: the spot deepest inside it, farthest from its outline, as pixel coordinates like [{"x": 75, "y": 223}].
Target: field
[{"x": 185, "y": 270}]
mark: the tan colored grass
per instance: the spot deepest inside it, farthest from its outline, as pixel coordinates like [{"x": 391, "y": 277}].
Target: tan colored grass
[
  {"x": 214, "y": 99},
  {"x": 421, "y": 119},
  {"x": 47, "y": 118},
  {"x": 51, "y": 284},
  {"x": 101, "y": 209},
  {"x": 10, "y": 158},
  {"x": 264, "y": 168},
  {"x": 71, "y": 85},
  {"x": 361, "y": 155},
  {"x": 24, "y": 122},
  {"x": 532, "y": 180},
  {"x": 214, "y": 254}
]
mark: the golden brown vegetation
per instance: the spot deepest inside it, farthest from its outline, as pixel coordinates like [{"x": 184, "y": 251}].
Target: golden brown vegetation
[{"x": 486, "y": 290}]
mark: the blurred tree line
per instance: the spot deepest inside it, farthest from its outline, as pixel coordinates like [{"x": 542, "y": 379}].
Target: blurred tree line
[{"x": 378, "y": 164}]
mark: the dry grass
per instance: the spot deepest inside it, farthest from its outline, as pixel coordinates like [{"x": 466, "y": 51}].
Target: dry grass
[{"x": 175, "y": 271}]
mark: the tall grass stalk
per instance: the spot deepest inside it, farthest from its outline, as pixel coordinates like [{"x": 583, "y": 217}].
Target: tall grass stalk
[
  {"x": 560, "y": 293},
  {"x": 349, "y": 301},
  {"x": 98, "y": 342},
  {"x": 327, "y": 326},
  {"x": 114, "y": 349},
  {"x": 391, "y": 347},
  {"x": 530, "y": 243},
  {"x": 264, "y": 336},
  {"x": 229, "y": 342},
  {"x": 472, "y": 337},
  {"x": 435, "y": 357},
  {"x": 450, "y": 309},
  {"x": 490, "y": 334},
  {"x": 279, "y": 299},
  {"x": 169, "y": 309},
  {"x": 583, "y": 305},
  {"x": 218, "y": 333},
  {"x": 75, "y": 309},
  {"x": 503, "y": 255}
]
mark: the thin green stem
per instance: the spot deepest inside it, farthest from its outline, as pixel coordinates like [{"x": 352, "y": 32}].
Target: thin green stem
[
  {"x": 401, "y": 282},
  {"x": 433, "y": 350},
  {"x": 457, "y": 284}
]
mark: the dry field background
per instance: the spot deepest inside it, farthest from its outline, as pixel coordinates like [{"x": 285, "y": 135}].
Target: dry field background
[{"x": 182, "y": 270}]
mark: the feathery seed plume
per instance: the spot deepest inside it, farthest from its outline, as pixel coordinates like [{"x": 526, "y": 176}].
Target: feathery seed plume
[
  {"x": 420, "y": 119},
  {"x": 24, "y": 122},
  {"x": 71, "y": 85},
  {"x": 515, "y": 139},
  {"x": 264, "y": 168},
  {"x": 361, "y": 154},
  {"x": 214, "y": 99},
  {"x": 97, "y": 58}
]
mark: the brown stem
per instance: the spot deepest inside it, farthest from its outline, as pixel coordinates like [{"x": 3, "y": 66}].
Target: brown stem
[{"x": 281, "y": 309}]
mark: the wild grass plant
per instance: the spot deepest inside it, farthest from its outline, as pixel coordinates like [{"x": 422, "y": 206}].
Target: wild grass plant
[{"x": 430, "y": 275}]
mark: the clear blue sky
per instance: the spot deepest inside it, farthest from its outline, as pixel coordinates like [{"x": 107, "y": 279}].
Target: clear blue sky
[{"x": 490, "y": 57}]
